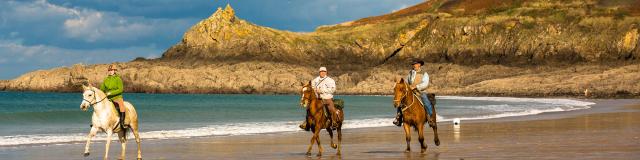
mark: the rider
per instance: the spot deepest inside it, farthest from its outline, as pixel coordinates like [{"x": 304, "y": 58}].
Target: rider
[
  {"x": 114, "y": 87},
  {"x": 418, "y": 80},
  {"x": 324, "y": 87}
]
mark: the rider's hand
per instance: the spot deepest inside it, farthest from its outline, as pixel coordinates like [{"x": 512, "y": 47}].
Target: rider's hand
[
  {"x": 108, "y": 93},
  {"x": 415, "y": 90}
]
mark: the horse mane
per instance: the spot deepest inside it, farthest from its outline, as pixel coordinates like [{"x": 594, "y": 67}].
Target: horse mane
[{"x": 98, "y": 92}]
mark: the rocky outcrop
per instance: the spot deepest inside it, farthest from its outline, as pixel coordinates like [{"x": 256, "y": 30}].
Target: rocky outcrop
[{"x": 502, "y": 48}]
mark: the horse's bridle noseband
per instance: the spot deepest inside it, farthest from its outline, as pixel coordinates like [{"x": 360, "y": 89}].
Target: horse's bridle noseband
[{"x": 96, "y": 99}]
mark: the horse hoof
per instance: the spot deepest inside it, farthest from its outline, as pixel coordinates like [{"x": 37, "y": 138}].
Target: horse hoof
[
  {"x": 407, "y": 151},
  {"x": 319, "y": 155},
  {"x": 139, "y": 159},
  {"x": 308, "y": 153},
  {"x": 334, "y": 146},
  {"x": 437, "y": 142},
  {"x": 423, "y": 150},
  {"x": 86, "y": 154}
]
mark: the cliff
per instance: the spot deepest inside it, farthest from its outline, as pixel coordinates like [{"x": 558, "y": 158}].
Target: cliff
[{"x": 491, "y": 47}]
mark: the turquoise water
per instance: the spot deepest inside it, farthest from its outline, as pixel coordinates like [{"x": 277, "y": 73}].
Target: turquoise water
[{"x": 47, "y": 118}]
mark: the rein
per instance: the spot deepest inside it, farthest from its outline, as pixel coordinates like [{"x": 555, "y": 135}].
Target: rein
[
  {"x": 403, "y": 100},
  {"x": 96, "y": 99}
]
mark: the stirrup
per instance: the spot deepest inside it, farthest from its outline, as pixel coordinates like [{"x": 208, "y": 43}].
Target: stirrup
[{"x": 398, "y": 120}]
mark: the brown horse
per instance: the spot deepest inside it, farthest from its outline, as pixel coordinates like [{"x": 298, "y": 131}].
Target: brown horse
[
  {"x": 317, "y": 120},
  {"x": 414, "y": 114}
]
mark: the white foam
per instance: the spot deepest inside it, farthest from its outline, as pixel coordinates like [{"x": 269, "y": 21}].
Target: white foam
[
  {"x": 513, "y": 114},
  {"x": 565, "y": 102}
]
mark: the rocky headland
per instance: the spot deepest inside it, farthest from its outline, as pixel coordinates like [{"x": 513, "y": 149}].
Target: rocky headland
[{"x": 477, "y": 48}]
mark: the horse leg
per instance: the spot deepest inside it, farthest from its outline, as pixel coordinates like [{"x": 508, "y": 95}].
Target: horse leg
[
  {"x": 339, "y": 130},
  {"x": 423, "y": 146},
  {"x": 407, "y": 134},
  {"x": 92, "y": 133},
  {"x": 106, "y": 149},
  {"x": 333, "y": 145},
  {"x": 134, "y": 128},
  {"x": 313, "y": 140},
  {"x": 436, "y": 140},
  {"x": 123, "y": 143},
  {"x": 317, "y": 136}
]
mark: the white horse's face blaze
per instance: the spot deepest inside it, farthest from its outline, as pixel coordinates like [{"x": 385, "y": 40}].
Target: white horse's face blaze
[
  {"x": 88, "y": 97},
  {"x": 304, "y": 96}
]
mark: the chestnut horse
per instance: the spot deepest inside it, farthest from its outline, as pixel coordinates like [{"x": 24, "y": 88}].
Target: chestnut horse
[
  {"x": 414, "y": 114},
  {"x": 317, "y": 120}
]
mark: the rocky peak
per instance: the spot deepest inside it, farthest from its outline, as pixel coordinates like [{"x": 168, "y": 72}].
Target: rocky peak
[{"x": 226, "y": 15}]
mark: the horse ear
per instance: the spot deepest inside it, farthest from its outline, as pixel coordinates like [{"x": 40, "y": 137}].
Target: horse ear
[
  {"x": 84, "y": 87},
  {"x": 301, "y": 83},
  {"x": 309, "y": 83},
  {"x": 401, "y": 80}
]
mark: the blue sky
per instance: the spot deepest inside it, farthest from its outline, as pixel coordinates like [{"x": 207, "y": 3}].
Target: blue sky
[{"x": 43, "y": 34}]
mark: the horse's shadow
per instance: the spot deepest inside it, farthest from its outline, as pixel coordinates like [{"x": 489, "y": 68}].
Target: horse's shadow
[
  {"x": 409, "y": 155},
  {"x": 383, "y": 152},
  {"x": 313, "y": 156}
]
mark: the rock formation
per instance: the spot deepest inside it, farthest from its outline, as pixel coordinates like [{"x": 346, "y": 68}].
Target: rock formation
[{"x": 491, "y": 47}]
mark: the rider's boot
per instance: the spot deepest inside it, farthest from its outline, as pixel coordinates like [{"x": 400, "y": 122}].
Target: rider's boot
[
  {"x": 304, "y": 125},
  {"x": 398, "y": 120},
  {"x": 122, "y": 120}
]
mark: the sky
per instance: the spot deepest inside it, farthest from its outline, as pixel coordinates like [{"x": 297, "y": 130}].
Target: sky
[{"x": 44, "y": 34}]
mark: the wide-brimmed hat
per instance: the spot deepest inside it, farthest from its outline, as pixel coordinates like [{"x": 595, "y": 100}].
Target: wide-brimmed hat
[
  {"x": 113, "y": 67},
  {"x": 417, "y": 61},
  {"x": 322, "y": 69}
]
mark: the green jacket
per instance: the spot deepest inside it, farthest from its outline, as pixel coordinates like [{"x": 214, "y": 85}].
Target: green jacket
[{"x": 112, "y": 84}]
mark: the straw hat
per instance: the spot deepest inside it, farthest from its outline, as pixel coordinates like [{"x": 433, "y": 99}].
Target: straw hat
[{"x": 113, "y": 67}]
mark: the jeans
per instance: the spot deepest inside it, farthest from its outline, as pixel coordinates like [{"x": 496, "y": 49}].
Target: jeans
[{"x": 426, "y": 102}]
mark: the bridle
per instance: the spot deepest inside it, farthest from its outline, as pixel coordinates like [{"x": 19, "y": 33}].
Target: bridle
[
  {"x": 96, "y": 99},
  {"x": 403, "y": 99}
]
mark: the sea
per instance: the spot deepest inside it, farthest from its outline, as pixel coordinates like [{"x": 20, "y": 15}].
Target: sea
[{"x": 30, "y": 118}]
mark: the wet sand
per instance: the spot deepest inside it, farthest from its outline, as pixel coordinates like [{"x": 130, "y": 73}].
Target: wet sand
[{"x": 609, "y": 130}]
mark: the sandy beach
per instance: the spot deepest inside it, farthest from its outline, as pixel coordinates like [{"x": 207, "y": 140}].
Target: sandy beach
[{"x": 608, "y": 130}]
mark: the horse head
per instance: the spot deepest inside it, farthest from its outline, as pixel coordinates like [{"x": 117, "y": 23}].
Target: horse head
[
  {"x": 88, "y": 97},
  {"x": 400, "y": 92},
  {"x": 307, "y": 94}
]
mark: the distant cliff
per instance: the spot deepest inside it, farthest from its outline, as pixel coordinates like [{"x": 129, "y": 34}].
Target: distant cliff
[{"x": 490, "y": 47}]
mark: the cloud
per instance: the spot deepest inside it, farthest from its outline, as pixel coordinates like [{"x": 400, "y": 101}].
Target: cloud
[
  {"x": 72, "y": 27},
  {"x": 96, "y": 26},
  {"x": 18, "y": 58}
]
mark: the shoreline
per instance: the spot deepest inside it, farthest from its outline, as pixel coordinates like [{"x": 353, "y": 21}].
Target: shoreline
[
  {"x": 534, "y": 95},
  {"x": 388, "y": 142}
]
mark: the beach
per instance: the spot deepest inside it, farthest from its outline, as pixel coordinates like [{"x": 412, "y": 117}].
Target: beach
[{"x": 610, "y": 129}]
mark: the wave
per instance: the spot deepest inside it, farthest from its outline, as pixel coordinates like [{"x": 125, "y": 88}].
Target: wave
[{"x": 565, "y": 102}]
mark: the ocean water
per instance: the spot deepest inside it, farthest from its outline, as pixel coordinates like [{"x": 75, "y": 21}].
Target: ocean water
[{"x": 55, "y": 118}]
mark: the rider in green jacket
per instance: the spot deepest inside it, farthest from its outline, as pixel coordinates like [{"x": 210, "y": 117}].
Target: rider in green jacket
[{"x": 113, "y": 87}]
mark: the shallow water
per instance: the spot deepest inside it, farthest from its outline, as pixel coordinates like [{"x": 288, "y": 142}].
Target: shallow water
[{"x": 49, "y": 118}]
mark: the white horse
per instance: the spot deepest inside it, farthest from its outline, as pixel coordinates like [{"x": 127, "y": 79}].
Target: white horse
[{"x": 105, "y": 118}]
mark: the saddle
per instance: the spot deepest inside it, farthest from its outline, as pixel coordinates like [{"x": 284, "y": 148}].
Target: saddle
[
  {"x": 115, "y": 105},
  {"x": 430, "y": 96}
]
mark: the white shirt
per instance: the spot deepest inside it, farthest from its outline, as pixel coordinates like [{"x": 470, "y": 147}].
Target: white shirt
[{"x": 324, "y": 87}]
